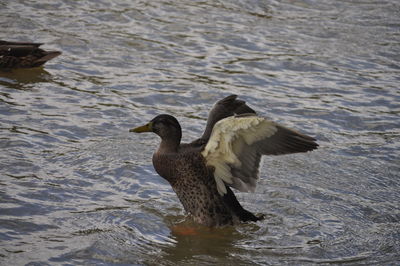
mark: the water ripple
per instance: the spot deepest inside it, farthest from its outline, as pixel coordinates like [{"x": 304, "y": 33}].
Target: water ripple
[{"x": 77, "y": 188}]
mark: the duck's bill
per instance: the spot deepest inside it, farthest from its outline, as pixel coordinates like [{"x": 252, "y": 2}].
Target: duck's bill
[{"x": 145, "y": 128}]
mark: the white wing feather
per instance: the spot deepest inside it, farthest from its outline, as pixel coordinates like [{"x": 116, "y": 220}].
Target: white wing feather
[{"x": 231, "y": 138}]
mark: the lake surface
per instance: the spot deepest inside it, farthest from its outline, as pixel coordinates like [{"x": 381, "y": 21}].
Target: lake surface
[{"x": 76, "y": 188}]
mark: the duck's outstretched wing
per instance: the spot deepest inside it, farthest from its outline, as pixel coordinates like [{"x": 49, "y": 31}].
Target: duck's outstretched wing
[
  {"x": 237, "y": 143},
  {"x": 226, "y": 107}
]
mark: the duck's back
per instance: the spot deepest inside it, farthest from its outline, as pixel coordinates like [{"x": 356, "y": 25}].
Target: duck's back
[{"x": 23, "y": 55}]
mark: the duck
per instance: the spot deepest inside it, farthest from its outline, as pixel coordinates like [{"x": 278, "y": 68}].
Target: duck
[
  {"x": 23, "y": 55},
  {"x": 227, "y": 156}
]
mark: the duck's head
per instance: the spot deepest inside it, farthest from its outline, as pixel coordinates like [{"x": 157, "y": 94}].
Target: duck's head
[{"x": 165, "y": 126}]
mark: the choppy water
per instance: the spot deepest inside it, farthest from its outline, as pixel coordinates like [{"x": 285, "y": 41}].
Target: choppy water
[{"x": 77, "y": 188}]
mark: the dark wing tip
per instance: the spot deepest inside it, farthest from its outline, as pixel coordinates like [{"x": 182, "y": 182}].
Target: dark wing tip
[
  {"x": 228, "y": 99},
  {"x": 234, "y": 105},
  {"x": 298, "y": 142},
  {"x": 286, "y": 141},
  {"x": 48, "y": 56}
]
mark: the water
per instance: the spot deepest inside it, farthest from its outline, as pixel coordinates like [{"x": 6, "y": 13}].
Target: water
[{"x": 77, "y": 188}]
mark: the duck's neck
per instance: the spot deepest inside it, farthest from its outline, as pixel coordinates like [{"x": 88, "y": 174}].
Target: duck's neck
[{"x": 169, "y": 145}]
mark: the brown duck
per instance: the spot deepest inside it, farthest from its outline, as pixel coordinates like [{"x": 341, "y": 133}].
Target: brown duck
[
  {"x": 227, "y": 155},
  {"x": 23, "y": 55}
]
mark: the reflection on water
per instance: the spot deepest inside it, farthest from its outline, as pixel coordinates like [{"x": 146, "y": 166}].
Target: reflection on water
[
  {"x": 20, "y": 78},
  {"x": 77, "y": 188}
]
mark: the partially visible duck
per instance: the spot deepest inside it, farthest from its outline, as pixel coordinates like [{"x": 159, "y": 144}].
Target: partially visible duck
[
  {"x": 227, "y": 155},
  {"x": 23, "y": 55}
]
